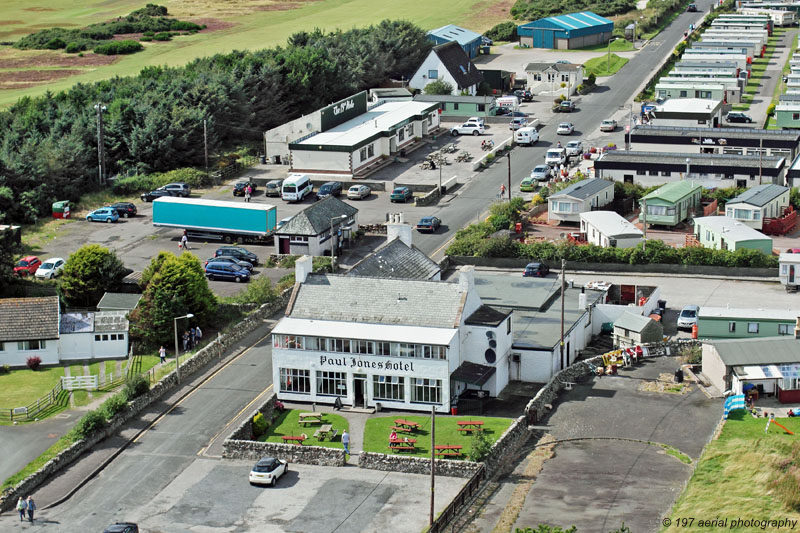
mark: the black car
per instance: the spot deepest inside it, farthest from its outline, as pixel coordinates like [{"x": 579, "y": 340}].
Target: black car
[
  {"x": 331, "y": 188},
  {"x": 122, "y": 527},
  {"x": 240, "y": 188},
  {"x": 502, "y": 111},
  {"x": 738, "y": 117},
  {"x": 525, "y": 96},
  {"x": 152, "y": 195},
  {"x": 691, "y": 8},
  {"x": 125, "y": 209},
  {"x": 228, "y": 259},
  {"x": 227, "y": 271},
  {"x": 538, "y": 270},
  {"x": 237, "y": 252}
]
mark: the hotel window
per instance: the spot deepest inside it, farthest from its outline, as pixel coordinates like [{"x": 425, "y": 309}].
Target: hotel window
[
  {"x": 362, "y": 154},
  {"x": 654, "y": 172},
  {"x": 383, "y": 348},
  {"x": 339, "y": 345},
  {"x": 752, "y": 327},
  {"x": 365, "y": 347},
  {"x": 665, "y": 173},
  {"x": 783, "y": 329},
  {"x": 30, "y": 345},
  {"x": 371, "y": 150},
  {"x": 640, "y": 172},
  {"x": 331, "y": 383},
  {"x": 407, "y": 350},
  {"x": 314, "y": 343},
  {"x": 731, "y": 327},
  {"x": 388, "y": 388},
  {"x": 425, "y": 390},
  {"x": 295, "y": 380}
]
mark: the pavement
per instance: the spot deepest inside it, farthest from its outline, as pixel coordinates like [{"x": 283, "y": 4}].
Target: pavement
[{"x": 772, "y": 77}]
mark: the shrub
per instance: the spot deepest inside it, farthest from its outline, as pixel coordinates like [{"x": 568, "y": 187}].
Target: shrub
[
  {"x": 259, "y": 425},
  {"x": 481, "y": 446},
  {"x": 259, "y": 291},
  {"x": 505, "y": 31},
  {"x": 55, "y": 44},
  {"x": 74, "y": 48},
  {"x": 89, "y": 423},
  {"x": 147, "y": 182},
  {"x": 592, "y": 79},
  {"x": 489, "y": 158},
  {"x": 135, "y": 387},
  {"x": 148, "y": 33},
  {"x": 34, "y": 362},
  {"x": 163, "y": 36},
  {"x": 146, "y": 39},
  {"x": 118, "y": 48},
  {"x": 114, "y": 405},
  {"x": 770, "y": 110},
  {"x": 5, "y": 369}
]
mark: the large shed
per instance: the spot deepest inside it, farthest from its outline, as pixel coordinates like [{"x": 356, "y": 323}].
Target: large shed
[
  {"x": 468, "y": 40},
  {"x": 566, "y": 32}
]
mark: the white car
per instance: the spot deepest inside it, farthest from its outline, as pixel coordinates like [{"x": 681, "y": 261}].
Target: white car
[
  {"x": 467, "y": 129},
  {"x": 608, "y": 125},
  {"x": 565, "y": 128},
  {"x": 541, "y": 173},
  {"x": 476, "y": 120},
  {"x": 358, "y": 192},
  {"x": 688, "y": 316},
  {"x": 574, "y": 148},
  {"x": 267, "y": 471},
  {"x": 50, "y": 268},
  {"x": 517, "y": 123}
]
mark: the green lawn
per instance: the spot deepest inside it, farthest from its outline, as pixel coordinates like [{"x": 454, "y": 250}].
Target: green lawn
[
  {"x": 604, "y": 65},
  {"x": 376, "y": 433},
  {"x": 288, "y": 423},
  {"x": 23, "y": 387},
  {"x": 619, "y": 45},
  {"x": 744, "y": 473}
]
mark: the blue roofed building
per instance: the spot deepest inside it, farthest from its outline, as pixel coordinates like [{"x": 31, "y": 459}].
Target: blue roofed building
[
  {"x": 469, "y": 41},
  {"x": 566, "y": 32}
]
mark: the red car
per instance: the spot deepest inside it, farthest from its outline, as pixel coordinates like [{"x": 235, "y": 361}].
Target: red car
[{"x": 27, "y": 265}]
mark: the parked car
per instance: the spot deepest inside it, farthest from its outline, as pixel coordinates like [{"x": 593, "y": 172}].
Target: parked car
[
  {"x": 125, "y": 209},
  {"x": 517, "y": 114},
  {"x": 608, "y": 125},
  {"x": 526, "y": 136},
  {"x": 273, "y": 188},
  {"x": 226, "y": 271},
  {"x": 27, "y": 265},
  {"x": 541, "y": 173},
  {"x": 502, "y": 111},
  {"x": 563, "y": 62},
  {"x": 486, "y": 41},
  {"x": 152, "y": 195},
  {"x": 178, "y": 189},
  {"x": 241, "y": 187},
  {"x": 524, "y": 95},
  {"x": 734, "y": 116},
  {"x": 238, "y": 252},
  {"x": 536, "y": 270},
  {"x": 50, "y": 268},
  {"x": 122, "y": 527},
  {"x": 574, "y": 148},
  {"x": 555, "y": 157},
  {"x": 476, "y": 120},
  {"x": 267, "y": 471},
  {"x": 567, "y": 106},
  {"x": 528, "y": 184},
  {"x": 688, "y": 316},
  {"x": 230, "y": 259},
  {"x": 330, "y": 188},
  {"x": 400, "y": 194},
  {"x": 104, "y": 214},
  {"x": 468, "y": 128},
  {"x": 430, "y": 224},
  {"x": 691, "y": 8},
  {"x": 517, "y": 123},
  {"x": 358, "y": 192},
  {"x": 565, "y": 128}
]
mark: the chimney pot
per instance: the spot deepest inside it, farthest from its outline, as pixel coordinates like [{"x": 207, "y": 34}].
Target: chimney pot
[{"x": 302, "y": 268}]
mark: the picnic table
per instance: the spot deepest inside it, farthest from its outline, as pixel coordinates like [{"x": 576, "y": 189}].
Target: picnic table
[
  {"x": 326, "y": 431},
  {"x": 310, "y": 418},
  {"x": 447, "y": 451},
  {"x": 405, "y": 425},
  {"x": 401, "y": 445},
  {"x": 296, "y": 439},
  {"x": 470, "y": 425}
]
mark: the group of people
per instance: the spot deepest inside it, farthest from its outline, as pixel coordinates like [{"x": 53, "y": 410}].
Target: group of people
[
  {"x": 248, "y": 192},
  {"x": 26, "y": 506},
  {"x": 190, "y": 337},
  {"x": 487, "y": 144}
]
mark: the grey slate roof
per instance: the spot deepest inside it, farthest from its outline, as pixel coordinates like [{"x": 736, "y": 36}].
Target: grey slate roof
[
  {"x": 378, "y": 301},
  {"x": 716, "y": 133},
  {"x": 486, "y": 315},
  {"x": 558, "y": 67},
  {"x": 726, "y": 160},
  {"x": 760, "y": 351},
  {"x": 760, "y": 195},
  {"x": 458, "y": 64},
  {"x": 789, "y": 98},
  {"x": 584, "y": 188},
  {"x": 396, "y": 259},
  {"x": 316, "y": 219},
  {"x": 23, "y": 319},
  {"x": 632, "y": 322},
  {"x": 119, "y": 300}
]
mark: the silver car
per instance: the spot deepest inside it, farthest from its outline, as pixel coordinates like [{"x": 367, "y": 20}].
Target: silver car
[
  {"x": 688, "y": 316},
  {"x": 574, "y": 148}
]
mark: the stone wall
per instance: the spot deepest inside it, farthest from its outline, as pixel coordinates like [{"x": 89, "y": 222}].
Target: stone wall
[
  {"x": 189, "y": 366},
  {"x": 307, "y": 455},
  {"x": 509, "y": 442},
  {"x": 416, "y": 465},
  {"x": 244, "y": 431}
]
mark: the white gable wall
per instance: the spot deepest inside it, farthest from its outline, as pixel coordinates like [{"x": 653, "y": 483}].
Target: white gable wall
[{"x": 420, "y": 78}]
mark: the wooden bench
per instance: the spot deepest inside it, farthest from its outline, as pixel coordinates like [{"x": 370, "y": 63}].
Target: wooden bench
[
  {"x": 470, "y": 429},
  {"x": 296, "y": 439},
  {"x": 403, "y": 429},
  {"x": 453, "y": 453},
  {"x": 448, "y": 451},
  {"x": 403, "y": 448}
]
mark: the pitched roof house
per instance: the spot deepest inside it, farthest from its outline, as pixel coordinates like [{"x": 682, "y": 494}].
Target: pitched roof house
[
  {"x": 448, "y": 63},
  {"x": 309, "y": 231}
]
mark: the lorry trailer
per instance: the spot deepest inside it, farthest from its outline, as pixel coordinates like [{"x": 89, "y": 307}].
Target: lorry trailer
[{"x": 216, "y": 219}]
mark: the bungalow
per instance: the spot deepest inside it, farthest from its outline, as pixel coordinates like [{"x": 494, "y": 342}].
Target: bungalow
[
  {"x": 690, "y": 112},
  {"x": 789, "y": 271},
  {"x": 461, "y": 106},
  {"x": 450, "y": 64},
  {"x": 691, "y": 89},
  {"x": 723, "y": 233},
  {"x": 549, "y": 78},
  {"x": 585, "y": 195},
  {"x": 631, "y": 329},
  {"x": 727, "y": 323},
  {"x": 609, "y": 230},
  {"x": 757, "y": 203},
  {"x": 671, "y": 204},
  {"x": 309, "y": 232}
]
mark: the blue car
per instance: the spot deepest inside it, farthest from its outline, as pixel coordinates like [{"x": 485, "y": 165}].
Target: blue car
[
  {"x": 226, "y": 271},
  {"x": 104, "y": 214}
]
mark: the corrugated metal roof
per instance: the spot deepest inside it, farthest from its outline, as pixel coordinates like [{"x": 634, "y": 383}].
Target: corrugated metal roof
[
  {"x": 763, "y": 351},
  {"x": 574, "y": 21},
  {"x": 455, "y": 33},
  {"x": 760, "y": 195}
]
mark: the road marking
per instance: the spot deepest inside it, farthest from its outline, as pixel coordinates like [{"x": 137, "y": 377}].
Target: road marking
[
  {"x": 206, "y": 380},
  {"x": 232, "y": 420}
]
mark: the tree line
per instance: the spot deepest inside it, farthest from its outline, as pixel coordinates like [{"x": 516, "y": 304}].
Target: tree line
[
  {"x": 537, "y": 9},
  {"x": 154, "y": 120}
]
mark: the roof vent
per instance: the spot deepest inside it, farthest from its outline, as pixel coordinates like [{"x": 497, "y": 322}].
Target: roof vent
[{"x": 401, "y": 298}]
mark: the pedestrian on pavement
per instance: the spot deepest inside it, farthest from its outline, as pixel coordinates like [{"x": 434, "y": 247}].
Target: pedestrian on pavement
[
  {"x": 346, "y": 442},
  {"x": 198, "y": 332},
  {"x": 502, "y": 190},
  {"x": 22, "y": 507},
  {"x": 31, "y": 508},
  {"x": 185, "y": 242},
  {"x": 186, "y": 341},
  {"x": 162, "y": 353}
]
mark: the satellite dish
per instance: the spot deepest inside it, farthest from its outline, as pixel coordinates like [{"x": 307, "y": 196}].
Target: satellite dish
[
  {"x": 492, "y": 343},
  {"x": 490, "y": 334},
  {"x": 491, "y": 357}
]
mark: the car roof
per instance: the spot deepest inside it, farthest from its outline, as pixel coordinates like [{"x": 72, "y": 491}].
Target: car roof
[
  {"x": 54, "y": 259},
  {"x": 691, "y": 307},
  {"x": 266, "y": 461},
  {"x": 118, "y": 527},
  {"x": 565, "y": 123},
  {"x": 573, "y": 142},
  {"x": 400, "y": 188},
  {"x": 28, "y": 258},
  {"x": 533, "y": 264}
]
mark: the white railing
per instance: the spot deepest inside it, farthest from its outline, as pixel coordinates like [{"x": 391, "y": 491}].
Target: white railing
[{"x": 79, "y": 382}]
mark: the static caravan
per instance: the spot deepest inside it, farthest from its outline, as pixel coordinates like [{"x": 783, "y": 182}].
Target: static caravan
[
  {"x": 754, "y": 45},
  {"x": 789, "y": 271},
  {"x": 779, "y": 17},
  {"x": 699, "y": 54},
  {"x": 732, "y": 86},
  {"x": 735, "y": 34},
  {"x": 742, "y": 48},
  {"x": 688, "y": 89},
  {"x": 738, "y": 25},
  {"x": 719, "y": 73}
]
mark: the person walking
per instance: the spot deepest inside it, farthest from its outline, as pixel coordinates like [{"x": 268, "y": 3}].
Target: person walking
[
  {"x": 31, "y": 508},
  {"x": 502, "y": 191},
  {"x": 248, "y": 192},
  {"x": 162, "y": 353},
  {"x": 198, "y": 332},
  {"x": 346, "y": 442},
  {"x": 184, "y": 241},
  {"x": 193, "y": 336},
  {"x": 186, "y": 341},
  {"x": 22, "y": 507}
]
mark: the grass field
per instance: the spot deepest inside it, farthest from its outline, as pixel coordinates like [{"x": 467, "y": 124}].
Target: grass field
[
  {"x": 288, "y": 423},
  {"x": 22, "y": 387},
  {"x": 239, "y": 26},
  {"x": 617, "y": 45},
  {"x": 605, "y": 65},
  {"x": 744, "y": 473}
]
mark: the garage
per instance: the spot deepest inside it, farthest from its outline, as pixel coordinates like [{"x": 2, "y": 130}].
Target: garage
[{"x": 566, "y": 32}]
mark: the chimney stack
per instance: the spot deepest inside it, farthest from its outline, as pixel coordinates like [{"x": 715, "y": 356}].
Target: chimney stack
[
  {"x": 302, "y": 268},
  {"x": 466, "y": 278},
  {"x": 396, "y": 228}
]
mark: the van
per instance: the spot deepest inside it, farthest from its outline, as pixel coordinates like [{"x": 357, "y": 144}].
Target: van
[
  {"x": 295, "y": 187},
  {"x": 555, "y": 156},
  {"x": 526, "y": 136},
  {"x": 509, "y": 102}
]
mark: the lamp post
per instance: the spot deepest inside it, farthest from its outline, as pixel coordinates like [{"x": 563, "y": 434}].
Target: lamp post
[
  {"x": 333, "y": 242},
  {"x": 630, "y": 126},
  {"x": 608, "y": 55},
  {"x": 177, "y": 351},
  {"x": 688, "y": 162},
  {"x": 101, "y": 152}
]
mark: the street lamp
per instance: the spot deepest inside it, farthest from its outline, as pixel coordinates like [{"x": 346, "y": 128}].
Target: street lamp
[
  {"x": 608, "y": 56},
  {"x": 101, "y": 152},
  {"x": 177, "y": 351},
  {"x": 333, "y": 248}
]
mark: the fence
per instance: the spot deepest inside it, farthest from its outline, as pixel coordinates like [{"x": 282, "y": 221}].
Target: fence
[
  {"x": 31, "y": 411},
  {"x": 231, "y": 170},
  {"x": 461, "y": 500}
]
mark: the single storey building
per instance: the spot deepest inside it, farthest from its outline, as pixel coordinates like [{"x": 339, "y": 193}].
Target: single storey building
[
  {"x": 723, "y": 233},
  {"x": 729, "y": 323},
  {"x": 609, "y": 230},
  {"x": 453, "y": 105},
  {"x": 468, "y": 40},
  {"x": 757, "y": 203},
  {"x": 548, "y": 77},
  {"x": 567, "y": 204},
  {"x": 691, "y": 112},
  {"x": 319, "y": 229},
  {"x": 566, "y": 32},
  {"x": 670, "y": 204},
  {"x": 631, "y": 329}
]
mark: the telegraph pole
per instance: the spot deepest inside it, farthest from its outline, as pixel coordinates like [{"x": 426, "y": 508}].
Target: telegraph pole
[
  {"x": 509, "y": 175},
  {"x": 101, "y": 153},
  {"x": 433, "y": 461},
  {"x": 205, "y": 144},
  {"x": 563, "y": 290}
]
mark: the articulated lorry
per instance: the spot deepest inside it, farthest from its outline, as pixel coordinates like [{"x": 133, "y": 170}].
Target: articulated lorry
[{"x": 216, "y": 219}]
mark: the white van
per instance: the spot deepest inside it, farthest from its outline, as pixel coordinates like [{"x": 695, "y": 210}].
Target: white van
[
  {"x": 509, "y": 102},
  {"x": 295, "y": 187},
  {"x": 526, "y": 136},
  {"x": 555, "y": 156}
]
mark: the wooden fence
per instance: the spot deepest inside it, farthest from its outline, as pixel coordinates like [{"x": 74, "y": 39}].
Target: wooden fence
[{"x": 461, "y": 500}]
